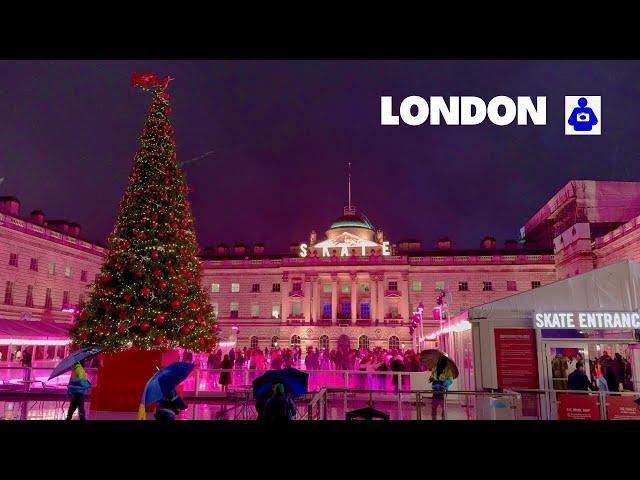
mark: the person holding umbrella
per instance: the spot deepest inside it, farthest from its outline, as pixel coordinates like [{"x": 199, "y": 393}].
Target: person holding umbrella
[
  {"x": 161, "y": 388},
  {"x": 280, "y": 407},
  {"x": 169, "y": 406},
  {"x": 77, "y": 388},
  {"x": 441, "y": 379}
]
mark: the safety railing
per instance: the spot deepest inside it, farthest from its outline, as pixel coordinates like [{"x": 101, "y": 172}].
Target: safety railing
[{"x": 37, "y": 379}]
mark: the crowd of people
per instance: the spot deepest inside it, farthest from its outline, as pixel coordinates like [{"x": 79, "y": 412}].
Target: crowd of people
[
  {"x": 608, "y": 374},
  {"x": 275, "y": 358}
]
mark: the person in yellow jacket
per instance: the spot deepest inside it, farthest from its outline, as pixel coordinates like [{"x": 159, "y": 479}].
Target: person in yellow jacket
[
  {"x": 77, "y": 388},
  {"x": 441, "y": 379}
]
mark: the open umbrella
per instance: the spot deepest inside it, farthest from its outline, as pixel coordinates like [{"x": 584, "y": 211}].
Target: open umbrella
[
  {"x": 163, "y": 382},
  {"x": 296, "y": 382},
  {"x": 431, "y": 357},
  {"x": 67, "y": 364}
]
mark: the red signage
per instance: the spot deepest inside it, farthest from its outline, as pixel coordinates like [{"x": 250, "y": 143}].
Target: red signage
[
  {"x": 517, "y": 363},
  {"x": 576, "y": 406},
  {"x": 622, "y": 408}
]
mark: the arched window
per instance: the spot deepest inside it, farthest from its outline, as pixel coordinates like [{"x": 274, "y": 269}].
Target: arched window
[
  {"x": 253, "y": 342},
  {"x": 274, "y": 341},
  {"x": 295, "y": 341},
  {"x": 394, "y": 343},
  {"x": 323, "y": 342},
  {"x": 363, "y": 341}
]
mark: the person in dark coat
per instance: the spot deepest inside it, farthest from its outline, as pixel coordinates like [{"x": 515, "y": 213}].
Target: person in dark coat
[
  {"x": 279, "y": 408},
  {"x": 618, "y": 369},
  {"x": 169, "y": 406},
  {"x": 610, "y": 377},
  {"x": 578, "y": 380},
  {"x": 225, "y": 376},
  {"x": 232, "y": 357}
]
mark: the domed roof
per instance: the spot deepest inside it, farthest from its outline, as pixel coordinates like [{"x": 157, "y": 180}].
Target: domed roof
[{"x": 352, "y": 220}]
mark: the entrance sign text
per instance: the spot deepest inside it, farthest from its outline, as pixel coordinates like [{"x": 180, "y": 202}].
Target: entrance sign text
[{"x": 588, "y": 320}]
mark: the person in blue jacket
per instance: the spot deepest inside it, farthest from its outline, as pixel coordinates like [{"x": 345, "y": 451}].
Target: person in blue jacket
[
  {"x": 441, "y": 379},
  {"x": 77, "y": 388}
]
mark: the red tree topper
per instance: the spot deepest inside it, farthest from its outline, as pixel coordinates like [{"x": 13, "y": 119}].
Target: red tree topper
[{"x": 147, "y": 79}]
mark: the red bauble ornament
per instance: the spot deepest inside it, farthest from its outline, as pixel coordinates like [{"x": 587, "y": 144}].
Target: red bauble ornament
[
  {"x": 183, "y": 251},
  {"x": 175, "y": 304},
  {"x": 107, "y": 307},
  {"x": 158, "y": 340},
  {"x": 159, "y": 319},
  {"x": 143, "y": 236},
  {"x": 122, "y": 314},
  {"x": 162, "y": 284},
  {"x": 139, "y": 311},
  {"x": 83, "y": 315},
  {"x": 193, "y": 305},
  {"x": 139, "y": 274},
  {"x": 121, "y": 329},
  {"x": 200, "y": 317},
  {"x": 144, "y": 326},
  {"x": 202, "y": 341},
  {"x": 145, "y": 291},
  {"x": 154, "y": 255},
  {"x": 168, "y": 262},
  {"x": 127, "y": 297},
  {"x": 154, "y": 216},
  {"x": 184, "y": 330},
  {"x": 157, "y": 272}
]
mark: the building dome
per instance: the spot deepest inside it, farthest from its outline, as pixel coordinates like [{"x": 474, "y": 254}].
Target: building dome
[
  {"x": 353, "y": 223},
  {"x": 351, "y": 220}
]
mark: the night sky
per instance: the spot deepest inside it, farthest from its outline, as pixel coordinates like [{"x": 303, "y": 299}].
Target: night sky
[{"x": 282, "y": 134}]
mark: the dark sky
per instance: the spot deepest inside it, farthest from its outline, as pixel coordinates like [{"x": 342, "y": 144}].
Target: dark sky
[{"x": 283, "y": 132}]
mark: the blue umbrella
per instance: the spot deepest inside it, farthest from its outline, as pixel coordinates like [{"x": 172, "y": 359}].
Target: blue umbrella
[
  {"x": 296, "y": 382},
  {"x": 77, "y": 356},
  {"x": 163, "y": 382}
]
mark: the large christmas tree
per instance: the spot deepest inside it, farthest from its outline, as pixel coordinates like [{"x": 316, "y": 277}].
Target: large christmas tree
[{"x": 148, "y": 293}]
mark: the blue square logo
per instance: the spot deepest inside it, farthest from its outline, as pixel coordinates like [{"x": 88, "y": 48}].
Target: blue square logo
[{"x": 582, "y": 115}]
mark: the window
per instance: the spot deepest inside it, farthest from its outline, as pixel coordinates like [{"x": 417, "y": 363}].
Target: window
[
  {"x": 8, "y": 294},
  {"x": 52, "y": 269},
  {"x": 13, "y": 259},
  {"x": 323, "y": 342},
  {"x": 327, "y": 288},
  {"x": 29, "y": 301},
  {"x": 275, "y": 287},
  {"x": 487, "y": 287},
  {"x": 83, "y": 275},
  {"x": 255, "y": 288},
  {"x": 235, "y": 287},
  {"x": 253, "y": 342},
  {"x": 326, "y": 310},
  {"x": 95, "y": 279},
  {"x": 65, "y": 298},
  {"x": 215, "y": 288},
  {"x": 255, "y": 311},
  {"x": 67, "y": 272},
  {"x": 393, "y": 286},
  {"x": 296, "y": 309},
  {"x": 297, "y": 286},
  {"x": 535, "y": 284},
  {"x": 463, "y": 286},
  {"x": 233, "y": 310},
  {"x": 364, "y": 288},
  {"x": 363, "y": 342},
  {"x": 345, "y": 288},
  {"x": 81, "y": 299},
  {"x": 274, "y": 341},
  {"x": 416, "y": 286},
  {"x": 511, "y": 286},
  {"x": 275, "y": 310},
  {"x": 295, "y": 341},
  {"x": 439, "y": 286},
  {"x": 47, "y": 300},
  {"x": 33, "y": 265},
  {"x": 215, "y": 308},
  {"x": 365, "y": 310},
  {"x": 394, "y": 343},
  {"x": 345, "y": 309}
]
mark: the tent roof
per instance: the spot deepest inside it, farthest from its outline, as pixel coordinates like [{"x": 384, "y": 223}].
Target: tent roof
[
  {"x": 33, "y": 328},
  {"x": 615, "y": 287}
]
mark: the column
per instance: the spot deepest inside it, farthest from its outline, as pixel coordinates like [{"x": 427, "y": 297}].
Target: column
[
  {"x": 404, "y": 298},
  {"x": 284, "y": 294},
  {"x": 334, "y": 298},
  {"x": 306, "y": 303},
  {"x": 373, "y": 292},
  {"x": 354, "y": 298},
  {"x": 316, "y": 299},
  {"x": 381, "y": 287}
]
